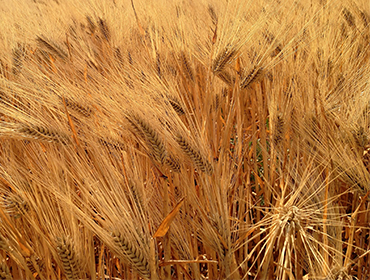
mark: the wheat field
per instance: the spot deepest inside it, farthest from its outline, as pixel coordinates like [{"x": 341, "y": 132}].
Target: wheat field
[{"x": 196, "y": 139}]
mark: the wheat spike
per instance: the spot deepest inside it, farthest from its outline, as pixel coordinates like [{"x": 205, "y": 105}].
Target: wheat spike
[
  {"x": 223, "y": 58},
  {"x": 158, "y": 65},
  {"x": 212, "y": 14},
  {"x": 151, "y": 137},
  {"x": 86, "y": 111},
  {"x": 173, "y": 164},
  {"x": 104, "y": 29},
  {"x": 350, "y": 19},
  {"x": 3, "y": 243},
  {"x": 68, "y": 257},
  {"x": 361, "y": 139},
  {"x": 31, "y": 266},
  {"x": 226, "y": 77},
  {"x": 43, "y": 134},
  {"x": 18, "y": 55},
  {"x": 254, "y": 75},
  {"x": 57, "y": 51},
  {"x": 195, "y": 156},
  {"x": 365, "y": 18},
  {"x": 135, "y": 196},
  {"x": 91, "y": 24},
  {"x": 112, "y": 144},
  {"x": 133, "y": 254},
  {"x": 176, "y": 106},
  {"x": 186, "y": 68},
  {"x": 16, "y": 206},
  {"x": 4, "y": 272},
  {"x": 279, "y": 130}
]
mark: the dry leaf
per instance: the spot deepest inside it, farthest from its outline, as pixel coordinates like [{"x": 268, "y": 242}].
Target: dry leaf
[{"x": 165, "y": 225}]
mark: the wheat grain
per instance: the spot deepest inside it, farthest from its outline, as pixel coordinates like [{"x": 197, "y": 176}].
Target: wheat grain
[
  {"x": 67, "y": 255},
  {"x": 195, "y": 155},
  {"x": 133, "y": 254}
]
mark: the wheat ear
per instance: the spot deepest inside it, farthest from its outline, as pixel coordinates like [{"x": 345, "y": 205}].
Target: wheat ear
[
  {"x": 135, "y": 196},
  {"x": 3, "y": 243},
  {"x": 226, "y": 77},
  {"x": 212, "y": 14},
  {"x": 18, "y": 55},
  {"x": 151, "y": 137},
  {"x": 104, "y": 29},
  {"x": 350, "y": 19},
  {"x": 52, "y": 48},
  {"x": 112, "y": 144},
  {"x": 82, "y": 110},
  {"x": 16, "y": 206},
  {"x": 200, "y": 162},
  {"x": 4, "y": 272},
  {"x": 42, "y": 133},
  {"x": 223, "y": 58},
  {"x": 188, "y": 71},
  {"x": 133, "y": 254},
  {"x": 68, "y": 257},
  {"x": 34, "y": 267},
  {"x": 173, "y": 164},
  {"x": 176, "y": 106},
  {"x": 277, "y": 136},
  {"x": 254, "y": 75}
]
